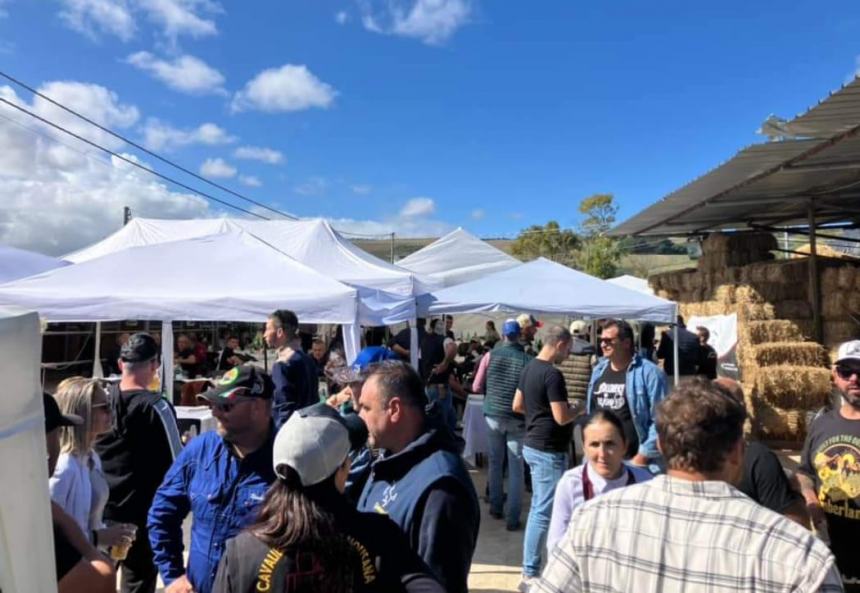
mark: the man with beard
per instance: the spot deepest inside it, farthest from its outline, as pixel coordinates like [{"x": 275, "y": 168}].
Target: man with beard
[
  {"x": 220, "y": 478},
  {"x": 830, "y": 467}
]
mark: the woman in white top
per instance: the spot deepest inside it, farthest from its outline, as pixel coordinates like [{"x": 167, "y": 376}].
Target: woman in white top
[
  {"x": 602, "y": 470},
  {"x": 78, "y": 484}
]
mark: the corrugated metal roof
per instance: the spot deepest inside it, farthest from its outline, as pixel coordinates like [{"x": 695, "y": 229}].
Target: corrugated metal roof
[{"x": 772, "y": 183}]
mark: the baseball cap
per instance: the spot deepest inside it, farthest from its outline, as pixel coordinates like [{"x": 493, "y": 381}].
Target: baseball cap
[
  {"x": 848, "y": 351},
  {"x": 525, "y": 320},
  {"x": 511, "y": 328},
  {"x": 355, "y": 372},
  {"x": 245, "y": 380},
  {"x": 577, "y": 327},
  {"x": 314, "y": 442},
  {"x": 54, "y": 418},
  {"x": 140, "y": 347}
]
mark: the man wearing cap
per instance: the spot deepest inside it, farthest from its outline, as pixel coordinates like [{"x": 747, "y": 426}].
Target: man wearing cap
[
  {"x": 419, "y": 480},
  {"x": 528, "y": 328},
  {"x": 829, "y": 472},
  {"x": 220, "y": 478},
  {"x": 294, "y": 374},
  {"x": 136, "y": 453},
  {"x": 507, "y": 429}
]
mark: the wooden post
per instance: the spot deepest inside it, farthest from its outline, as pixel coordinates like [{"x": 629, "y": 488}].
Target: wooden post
[{"x": 814, "y": 279}]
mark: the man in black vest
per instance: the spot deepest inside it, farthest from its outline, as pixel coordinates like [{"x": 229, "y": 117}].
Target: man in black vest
[{"x": 419, "y": 480}]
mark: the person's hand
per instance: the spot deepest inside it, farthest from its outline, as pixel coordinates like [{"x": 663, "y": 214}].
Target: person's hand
[
  {"x": 339, "y": 398},
  {"x": 816, "y": 513},
  {"x": 639, "y": 460},
  {"x": 120, "y": 533},
  {"x": 440, "y": 368},
  {"x": 180, "y": 585}
]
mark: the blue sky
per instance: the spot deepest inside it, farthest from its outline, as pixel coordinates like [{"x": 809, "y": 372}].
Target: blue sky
[{"x": 409, "y": 115}]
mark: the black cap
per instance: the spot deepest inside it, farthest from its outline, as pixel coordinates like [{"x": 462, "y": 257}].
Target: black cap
[
  {"x": 139, "y": 348},
  {"x": 245, "y": 380},
  {"x": 54, "y": 418}
]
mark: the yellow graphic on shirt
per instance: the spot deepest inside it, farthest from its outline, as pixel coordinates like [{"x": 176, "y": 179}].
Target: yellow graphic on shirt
[{"x": 837, "y": 463}]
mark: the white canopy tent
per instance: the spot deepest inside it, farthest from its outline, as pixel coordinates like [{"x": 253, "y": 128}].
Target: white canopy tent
[
  {"x": 26, "y": 540},
  {"x": 456, "y": 258},
  {"x": 633, "y": 283},
  {"x": 226, "y": 277},
  {"x": 19, "y": 263}
]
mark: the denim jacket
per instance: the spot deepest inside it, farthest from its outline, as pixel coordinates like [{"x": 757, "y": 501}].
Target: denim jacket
[
  {"x": 223, "y": 494},
  {"x": 646, "y": 387}
]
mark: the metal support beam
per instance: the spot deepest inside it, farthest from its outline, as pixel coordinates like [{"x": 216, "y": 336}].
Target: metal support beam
[{"x": 814, "y": 278}]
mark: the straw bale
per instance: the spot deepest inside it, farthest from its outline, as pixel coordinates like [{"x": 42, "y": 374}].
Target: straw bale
[
  {"x": 854, "y": 301},
  {"x": 716, "y": 242},
  {"x": 798, "y": 309},
  {"x": 857, "y": 282},
  {"x": 779, "y": 423},
  {"x": 829, "y": 280},
  {"x": 773, "y": 292},
  {"x": 834, "y": 305},
  {"x": 791, "y": 353},
  {"x": 725, "y": 294},
  {"x": 745, "y": 275},
  {"x": 754, "y": 311},
  {"x": 845, "y": 277},
  {"x": 747, "y": 294},
  {"x": 775, "y": 330},
  {"x": 790, "y": 386},
  {"x": 836, "y": 332}
]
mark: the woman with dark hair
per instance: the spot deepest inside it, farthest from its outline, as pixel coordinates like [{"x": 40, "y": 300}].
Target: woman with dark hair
[
  {"x": 602, "y": 470},
  {"x": 308, "y": 537}
]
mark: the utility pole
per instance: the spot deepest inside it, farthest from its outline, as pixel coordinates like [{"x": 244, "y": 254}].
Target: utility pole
[
  {"x": 126, "y": 215},
  {"x": 392, "y": 247}
]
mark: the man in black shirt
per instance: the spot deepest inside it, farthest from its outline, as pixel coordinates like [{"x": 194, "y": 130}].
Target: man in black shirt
[
  {"x": 436, "y": 364},
  {"x": 688, "y": 351},
  {"x": 708, "y": 356},
  {"x": 830, "y": 467},
  {"x": 542, "y": 397},
  {"x": 320, "y": 356},
  {"x": 401, "y": 343},
  {"x": 228, "y": 358},
  {"x": 136, "y": 453},
  {"x": 186, "y": 357}
]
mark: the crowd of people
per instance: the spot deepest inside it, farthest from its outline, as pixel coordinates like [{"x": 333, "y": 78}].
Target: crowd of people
[{"x": 361, "y": 486}]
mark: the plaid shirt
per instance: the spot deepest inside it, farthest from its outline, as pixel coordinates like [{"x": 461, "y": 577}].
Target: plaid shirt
[{"x": 677, "y": 535}]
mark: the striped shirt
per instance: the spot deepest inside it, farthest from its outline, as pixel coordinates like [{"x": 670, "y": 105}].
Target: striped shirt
[{"x": 677, "y": 535}]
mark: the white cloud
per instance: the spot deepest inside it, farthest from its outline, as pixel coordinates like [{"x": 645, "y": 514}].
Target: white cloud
[
  {"x": 418, "y": 207},
  {"x": 315, "y": 186},
  {"x": 341, "y": 17},
  {"x": 288, "y": 88},
  {"x": 401, "y": 227},
  {"x": 182, "y": 17},
  {"x": 185, "y": 73},
  {"x": 478, "y": 214},
  {"x": 431, "y": 21},
  {"x": 361, "y": 189},
  {"x": 217, "y": 168},
  {"x": 158, "y": 135},
  {"x": 250, "y": 181},
  {"x": 94, "y": 17},
  {"x": 259, "y": 153},
  {"x": 59, "y": 197}
]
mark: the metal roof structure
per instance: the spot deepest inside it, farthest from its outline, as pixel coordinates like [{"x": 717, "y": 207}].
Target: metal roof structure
[{"x": 815, "y": 162}]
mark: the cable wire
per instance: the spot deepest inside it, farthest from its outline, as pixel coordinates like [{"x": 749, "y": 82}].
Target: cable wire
[{"x": 142, "y": 148}]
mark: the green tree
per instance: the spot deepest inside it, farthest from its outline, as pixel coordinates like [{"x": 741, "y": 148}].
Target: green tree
[
  {"x": 599, "y": 254},
  {"x": 549, "y": 241}
]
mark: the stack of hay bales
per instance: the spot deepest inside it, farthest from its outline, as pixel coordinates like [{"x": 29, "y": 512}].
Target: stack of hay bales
[{"x": 785, "y": 375}]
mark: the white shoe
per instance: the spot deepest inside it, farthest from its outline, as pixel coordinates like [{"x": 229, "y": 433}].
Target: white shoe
[{"x": 525, "y": 584}]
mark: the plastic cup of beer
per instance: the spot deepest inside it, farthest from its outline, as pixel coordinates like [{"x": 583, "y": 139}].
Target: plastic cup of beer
[{"x": 119, "y": 551}]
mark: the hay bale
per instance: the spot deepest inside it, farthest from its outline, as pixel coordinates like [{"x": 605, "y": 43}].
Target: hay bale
[
  {"x": 775, "y": 330},
  {"x": 836, "y": 332},
  {"x": 799, "y": 309},
  {"x": 779, "y": 424},
  {"x": 788, "y": 386},
  {"x": 754, "y": 311},
  {"x": 834, "y": 305},
  {"x": 845, "y": 277},
  {"x": 725, "y": 293},
  {"x": 747, "y": 294},
  {"x": 788, "y": 353},
  {"x": 854, "y": 302}
]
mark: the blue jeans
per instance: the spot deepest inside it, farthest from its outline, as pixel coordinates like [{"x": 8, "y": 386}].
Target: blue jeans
[
  {"x": 446, "y": 403},
  {"x": 506, "y": 432},
  {"x": 547, "y": 469}
]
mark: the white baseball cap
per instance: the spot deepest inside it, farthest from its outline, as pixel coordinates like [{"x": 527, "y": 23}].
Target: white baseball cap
[
  {"x": 848, "y": 351},
  {"x": 314, "y": 442}
]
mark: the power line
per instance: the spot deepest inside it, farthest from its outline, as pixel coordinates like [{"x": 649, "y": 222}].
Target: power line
[
  {"x": 128, "y": 160},
  {"x": 142, "y": 148}
]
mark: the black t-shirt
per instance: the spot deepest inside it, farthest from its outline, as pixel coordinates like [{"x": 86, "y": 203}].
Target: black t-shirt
[
  {"x": 542, "y": 383},
  {"x": 764, "y": 480},
  {"x": 708, "y": 362},
  {"x": 190, "y": 369},
  {"x": 65, "y": 555},
  {"x": 432, "y": 353},
  {"x": 689, "y": 352},
  {"x": 609, "y": 394},
  {"x": 831, "y": 457},
  {"x": 384, "y": 562},
  {"x": 404, "y": 340}
]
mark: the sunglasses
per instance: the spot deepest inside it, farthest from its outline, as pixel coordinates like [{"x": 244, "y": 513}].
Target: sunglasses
[{"x": 845, "y": 372}]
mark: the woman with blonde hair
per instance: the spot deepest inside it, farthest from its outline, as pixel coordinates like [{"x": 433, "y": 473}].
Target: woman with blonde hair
[{"x": 78, "y": 484}]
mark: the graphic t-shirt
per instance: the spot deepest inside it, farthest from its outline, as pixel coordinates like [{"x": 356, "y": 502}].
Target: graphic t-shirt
[
  {"x": 831, "y": 457},
  {"x": 609, "y": 395}
]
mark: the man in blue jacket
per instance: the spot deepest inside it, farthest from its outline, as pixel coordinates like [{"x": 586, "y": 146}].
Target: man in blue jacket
[
  {"x": 294, "y": 374},
  {"x": 419, "y": 480},
  {"x": 630, "y": 386},
  {"x": 220, "y": 478}
]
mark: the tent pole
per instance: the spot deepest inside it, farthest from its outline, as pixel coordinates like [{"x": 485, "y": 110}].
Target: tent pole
[
  {"x": 814, "y": 278},
  {"x": 167, "y": 360},
  {"x": 675, "y": 353},
  {"x": 98, "y": 371}
]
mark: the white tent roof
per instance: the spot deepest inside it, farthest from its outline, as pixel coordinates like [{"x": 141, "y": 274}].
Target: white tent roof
[
  {"x": 543, "y": 286},
  {"x": 458, "y": 257},
  {"x": 225, "y": 277},
  {"x": 19, "y": 263},
  {"x": 633, "y": 283}
]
